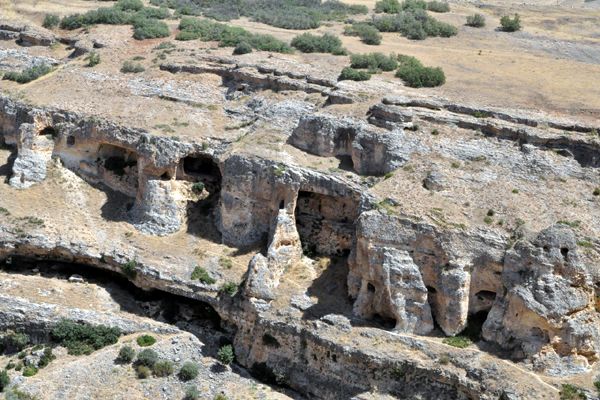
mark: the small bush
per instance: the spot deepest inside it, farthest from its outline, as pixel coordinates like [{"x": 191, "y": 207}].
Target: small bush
[
  {"x": 411, "y": 5},
  {"x": 351, "y": 74},
  {"x": 162, "y": 368},
  {"x": 458, "y": 341},
  {"x": 29, "y": 370},
  {"x": 367, "y": 33},
  {"x": 188, "y": 371},
  {"x": 50, "y": 21},
  {"x": 14, "y": 342},
  {"x": 229, "y": 288},
  {"x": 200, "y": 274},
  {"x": 198, "y": 187},
  {"x": 46, "y": 358},
  {"x": 147, "y": 357},
  {"x": 242, "y": 48},
  {"x": 145, "y": 340},
  {"x": 29, "y": 74},
  {"x": 225, "y": 262},
  {"x": 225, "y": 355},
  {"x": 374, "y": 62},
  {"x": 571, "y": 392},
  {"x": 438, "y": 6},
  {"x": 191, "y": 393},
  {"x": 129, "y": 5},
  {"x": 387, "y": 6},
  {"x": 84, "y": 338},
  {"x": 327, "y": 43},
  {"x": 129, "y": 269},
  {"x": 4, "y": 380},
  {"x": 596, "y": 191},
  {"x": 414, "y": 74},
  {"x": 476, "y": 20},
  {"x": 143, "y": 372},
  {"x": 93, "y": 59},
  {"x": 126, "y": 355},
  {"x": 147, "y": 28},
  {"x": 509, "y": 24}
]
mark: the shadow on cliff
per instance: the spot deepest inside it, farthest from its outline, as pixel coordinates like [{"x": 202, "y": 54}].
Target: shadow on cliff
[
  {"x": 116, "y": 206},
  {"x": 6, "y": 168},
  {"x": 202, "y": 219},
  {"x": 331, "y": 291}
]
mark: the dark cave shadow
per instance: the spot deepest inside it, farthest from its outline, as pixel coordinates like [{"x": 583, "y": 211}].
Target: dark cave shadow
[
  {"x": 331, "y": 291},
  {"x": 6, "y": 169},
  {"x": 346, "y": 163},
  {"x": 117, "y": 204},
  {"x": 201, "y": 218}
]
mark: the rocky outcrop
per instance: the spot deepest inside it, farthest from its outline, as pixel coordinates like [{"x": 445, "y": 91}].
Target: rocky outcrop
[
  {"x": 34, "y": 151},
  {"x": 26, "y": 35},
  {"x": 373, "y": 152},
  {"x": 564, "y": 137},
  {"x": 284, "y": 250},
  {"x": 548, "y": 294}
]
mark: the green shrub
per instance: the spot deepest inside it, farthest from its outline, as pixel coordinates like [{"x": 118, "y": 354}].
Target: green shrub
[
  {"x": 129, "y": 269},
  {"x": 29, "y": 370},
  {"x": 153, "y": 13},
  {"x": 509, "y": 24},
  {"x": 373, "y": 62},
  {"x": 129, "y": 5},
  {"x": 93, "y": 59},
  {"x": 327, "y": 43},
  {"x": 146, "y": 28},
  {"x": 289, "y": 14},
  {"x": 414, "y": 74},
  {"x": 50, "y": 21},
  {"x": 194, "y": 28},
  {"x": 126, "y": 355},
  {"x": 367, "y": 33},
  {"x": 200, "y": 274},
  {"x": 191, "y": 393},
  {"x": 458, "y": 341},
  {"x": 229, "y": 288},
  {"x": 198, "y": 187},
  {"x": 188, "y": 371},
  {"x": 145, "y": 340},
  {"x": 4, "y": 380},
  {"x": 46, "y": 358},
  {"x": 14, "y": 342},
  {"x": 571, "y": 392},
  {"x": 476, "y": 20},
  {"x": 225, "y": 354},
  {"x": 351, "y": 74},
  {"x": 438, "y": 6},
  {"x": 414, "y": 5},
  {"x": 82, "y": 338},
  {"x": 596, "y": 191},
  {"x": 225, "y": 262},
  {"x": 162, "y": 368},
  {"x": 387, "y": 6},
  {"x": 242, "y": 48},
  {"x": 414, "y": 24},
  {"x": 147, "y": 357},
  {"x": 142, "y": 371},
  {"x": 29, "y": 74}
]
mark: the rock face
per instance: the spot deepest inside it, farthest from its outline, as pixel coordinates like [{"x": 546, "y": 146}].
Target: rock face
[
  {"x": 402, "y": 293},
  {"x": 26, "y": 35},
  {"x": 35, "y": 149},
  {"x": 284, "y": 250},
  {"x": 372, "y": 152},
  {"x": 548, "y": 294}
]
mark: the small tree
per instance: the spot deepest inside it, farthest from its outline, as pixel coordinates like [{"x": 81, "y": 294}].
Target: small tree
[
  {"x": 242, "y": 48},
  {"x": 509, "y": 24},
  {"x": 476, "y": 20},
  {"x": 225, "y": 354}
]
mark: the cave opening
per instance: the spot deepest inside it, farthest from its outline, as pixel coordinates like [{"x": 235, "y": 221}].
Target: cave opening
[
  {"x": 188, "y": 314},
  {"x": 325, "y": 224},
  {"x": 118, "y": 160},
  {"x": 48, "y": 131},
  {"x": 204, "y": 173}
]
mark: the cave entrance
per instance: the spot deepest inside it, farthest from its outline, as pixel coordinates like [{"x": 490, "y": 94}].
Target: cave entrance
[
  {"x": 118, "y": 160},
  {"x": 48, "y": 132},
  {"x": 325, "y": 223},
  {"x": 204, "y": 173}
]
